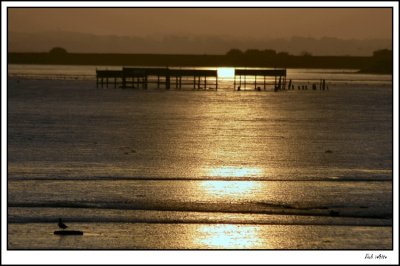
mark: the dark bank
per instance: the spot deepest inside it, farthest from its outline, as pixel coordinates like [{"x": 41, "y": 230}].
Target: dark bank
[{"x": 380, "y": 62}]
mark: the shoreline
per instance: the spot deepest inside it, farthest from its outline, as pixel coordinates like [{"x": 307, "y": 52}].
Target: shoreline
[
  {"x": 154, "y": 236},
  {"x": 77, "y": 83},
  {"x": 191, "y": 60}
]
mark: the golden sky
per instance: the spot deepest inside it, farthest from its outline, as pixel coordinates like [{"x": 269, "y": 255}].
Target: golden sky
[{"x": 347, "y": 23}]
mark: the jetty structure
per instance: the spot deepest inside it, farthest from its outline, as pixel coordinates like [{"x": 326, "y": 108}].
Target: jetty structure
[
  {"x": 134, "y": 77},
  {"x": 196, "y": 79},
  {"x": 279, "y": 78}
]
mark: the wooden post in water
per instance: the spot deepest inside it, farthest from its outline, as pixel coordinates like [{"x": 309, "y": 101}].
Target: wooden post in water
[
  {"x": 264, "y": 82},
  {"x": 198, "y": 82},
  {"x": 280, "y": 83},
  {"x": 167, "y": 82}
]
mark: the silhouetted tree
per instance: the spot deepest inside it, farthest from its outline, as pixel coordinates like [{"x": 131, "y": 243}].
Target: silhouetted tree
[
  {"x": 305, "y": 53},
  {"x": 381, "y": 62},
  {"x": 253, "y": 53},
  {"x": 234, "y": 53},
  {"x": 283, "y": 54},
  {"x": 269, "y": 53},
  {"x": 384, "y": 53},
  {"x": 58, "y": 51}
]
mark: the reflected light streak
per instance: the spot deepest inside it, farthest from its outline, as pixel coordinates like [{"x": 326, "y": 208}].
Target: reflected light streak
[
  {"x": 232, "y": 171},
  {"x": 227, "y": 236},
  {"x": 233, "y": 189}
]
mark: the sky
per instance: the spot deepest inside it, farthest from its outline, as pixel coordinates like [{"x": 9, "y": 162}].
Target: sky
[{"x": 359, "y": 23}]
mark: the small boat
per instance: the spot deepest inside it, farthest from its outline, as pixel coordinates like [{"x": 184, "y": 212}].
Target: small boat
[
  {"x": 68, "y": 232},
  {"x": 334, "y": 213}
]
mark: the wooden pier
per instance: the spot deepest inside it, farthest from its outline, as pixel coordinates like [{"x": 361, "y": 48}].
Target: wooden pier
[
  {"x": 167, "y": 78},
  {"x": 196, "y": 79},
  {"x": 104, "y": 77},
  {"x": 244, "y": 75}
]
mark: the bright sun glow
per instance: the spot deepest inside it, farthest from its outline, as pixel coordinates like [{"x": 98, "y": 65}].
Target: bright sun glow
[{"x": 226, "y": 72}]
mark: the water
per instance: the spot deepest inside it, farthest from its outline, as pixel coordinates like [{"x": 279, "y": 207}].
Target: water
[
  {"x": 299, "y": 75},
  {"x": 209, "y": 169}
]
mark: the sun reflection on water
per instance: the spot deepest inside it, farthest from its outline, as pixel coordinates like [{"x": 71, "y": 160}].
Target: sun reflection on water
[
  {"x": 234, "y": 189},
  {"x": 234, "y": 171},
  {"x": 227, "y": 236},
  {"x": 231, "y": 188}
]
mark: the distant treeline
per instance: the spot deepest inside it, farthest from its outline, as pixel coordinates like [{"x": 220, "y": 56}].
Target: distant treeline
[{"x": 379, "y": 62}]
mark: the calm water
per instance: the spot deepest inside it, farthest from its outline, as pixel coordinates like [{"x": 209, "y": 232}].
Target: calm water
[{"x": 199, "y": 169}]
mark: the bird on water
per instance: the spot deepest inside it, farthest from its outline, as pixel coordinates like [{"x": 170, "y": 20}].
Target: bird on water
[{"x": 61, "y": 224}]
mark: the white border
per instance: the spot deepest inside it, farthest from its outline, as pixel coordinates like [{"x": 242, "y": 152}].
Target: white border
[
  {"x": 396, "y": 130},
  {"x": 3, "y": 131},
  {"x": 197, "y": 257},
  {"x": 202, "y": 4}
]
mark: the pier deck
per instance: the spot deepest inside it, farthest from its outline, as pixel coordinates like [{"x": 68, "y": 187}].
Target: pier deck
[
  {"x": 166, "y": 78},
  {"x": 197, "y": 79},
  {"x": 279, "y": 76}
]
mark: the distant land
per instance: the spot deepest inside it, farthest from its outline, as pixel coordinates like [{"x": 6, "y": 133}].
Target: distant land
[
  {"x": 76, "y": 42},
  {"x": 380, "y": 62}
]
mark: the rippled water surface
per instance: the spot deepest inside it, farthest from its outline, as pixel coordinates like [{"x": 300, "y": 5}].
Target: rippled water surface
[{"x": 213, "y": 169}]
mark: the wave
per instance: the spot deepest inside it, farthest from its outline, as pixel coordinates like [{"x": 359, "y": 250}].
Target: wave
[
  {"x": 270, "y": 208},
  {"x": 281, "y": 221},
  {"x": 353, "y": 178},
  {"x": 87, "y": 215}
]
